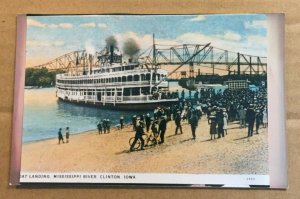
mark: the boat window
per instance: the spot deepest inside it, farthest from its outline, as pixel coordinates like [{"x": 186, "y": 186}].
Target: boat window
[
  {"x": 153, "y": 76},
  {"x": 148, "y": 76},
  {"x": 119, "y": 79},
  {"x": 143, "y": 77},
  {"x": 136, "y": 77},
  {"x": 124, "y": 79},
  {"x": 129, "y": 78},
  {"x": 126, "y": 92},
  {"x": 135, "y": 91},
  {"x": 146, "y": 90}
]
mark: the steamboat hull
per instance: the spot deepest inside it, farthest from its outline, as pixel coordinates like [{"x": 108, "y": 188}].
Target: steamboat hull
[{"x": 146, "y": 105}]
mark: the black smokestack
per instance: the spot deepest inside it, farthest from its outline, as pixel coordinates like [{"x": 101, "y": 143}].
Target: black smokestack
[
  {"x": 111, "y": 44},
  {"x": 111, "y": 49},
  {"x": 131, "y": 48}
]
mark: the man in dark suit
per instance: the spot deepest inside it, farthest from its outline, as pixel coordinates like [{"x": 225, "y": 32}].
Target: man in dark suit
[
  {"x": 139, "y": 131},
  {"x": 194, "y": 123},
  {"x": 250, "y": 119},
  {"x": 162, "y": 129},
  {"x": 178, "y": 122}
]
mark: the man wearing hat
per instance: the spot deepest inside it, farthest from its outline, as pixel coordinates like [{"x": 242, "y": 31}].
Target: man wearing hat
[
  {"x": 162, "y": 129},
  {"x": 194, "y": 123},
  {"x": 148, "y": 122},
  {"x": 220, "y": 122},
  {"x": 134, "y": 122},
  {"x": 178, "y": 122},
  {"x": 242, "y": 116},
  {"x": 250, "y": 119},
  {"x": 139, "y": 131}
]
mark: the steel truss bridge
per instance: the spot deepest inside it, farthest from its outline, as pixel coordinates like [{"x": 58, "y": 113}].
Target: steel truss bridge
[{"x": 195, "y": 56}]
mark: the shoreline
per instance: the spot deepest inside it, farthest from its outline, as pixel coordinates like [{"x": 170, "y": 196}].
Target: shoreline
[
  {"x": 93, "y": 152},
  {"x": 71, "y": 134}
]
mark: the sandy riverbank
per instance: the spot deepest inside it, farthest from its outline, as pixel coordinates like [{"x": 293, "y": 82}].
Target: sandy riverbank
[{"x": 234, "y": 154}]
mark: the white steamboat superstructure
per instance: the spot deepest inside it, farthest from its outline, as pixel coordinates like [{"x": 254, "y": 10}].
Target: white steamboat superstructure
[{"x": 114, "y": 84}]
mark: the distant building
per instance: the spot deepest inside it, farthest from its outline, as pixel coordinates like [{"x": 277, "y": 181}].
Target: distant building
[{"x": 237, "y": 84}]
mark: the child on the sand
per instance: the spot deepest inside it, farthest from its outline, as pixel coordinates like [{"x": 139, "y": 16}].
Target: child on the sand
[
  {"x": 67, "y": 134},
  {"x": 60, "y": 136}
]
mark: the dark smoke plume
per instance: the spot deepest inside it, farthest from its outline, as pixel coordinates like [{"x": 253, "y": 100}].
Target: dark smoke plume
[
  {"x": 131, "y": 48},
  {"x": 111, "y": 41}
]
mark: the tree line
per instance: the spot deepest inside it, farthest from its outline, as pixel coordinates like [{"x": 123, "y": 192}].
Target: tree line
[{"x": 41, "y": 77}]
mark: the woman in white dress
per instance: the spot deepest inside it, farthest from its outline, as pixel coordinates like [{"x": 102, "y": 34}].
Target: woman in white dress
[
  {"x": 265, "y": 118},
  {"x": 225, "y": 121}
]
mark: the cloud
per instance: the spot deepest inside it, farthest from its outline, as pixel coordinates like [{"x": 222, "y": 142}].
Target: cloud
[
  {"x": 31, "y": 22},
  {"x": 232, "y": 36},
  {"x": 52, "y": 26},
  {"x": 88, "y": 25},
  {"x": 102, "y": 25},
  {"x": 46, "y": 43},
  {"x": 35, "y": 23},
  {"x": 65, "y": 25},
  {"x": 255, "y": 24},
  {"x": 257, "y": 39},
  {"x": 198, "y": 18}
]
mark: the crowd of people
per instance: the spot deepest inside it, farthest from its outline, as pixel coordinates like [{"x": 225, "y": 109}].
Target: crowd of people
[
  {"x": 244, "y": 106},
  {"x": 103, "y": 126}
]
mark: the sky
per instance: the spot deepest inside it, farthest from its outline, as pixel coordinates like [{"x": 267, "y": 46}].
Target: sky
[{"x": 49, "y": 37}]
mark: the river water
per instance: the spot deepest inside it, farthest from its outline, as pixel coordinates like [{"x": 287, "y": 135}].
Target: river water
[{"x": 44, "y": 115}]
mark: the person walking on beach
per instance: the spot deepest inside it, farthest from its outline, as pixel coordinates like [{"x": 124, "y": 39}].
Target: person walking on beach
[
  {"x": 104, "y": 126},
  {"x": 60, "y": 136},
  {"x": 225, "y": 121},
  {"x": 108, "y": 125},
  {"x": 258, "y": 119},
  {"x": 154, "y": 128},
  {"x": 250, "y": 119},
  {"x": 67, "y": 134},
  {"x": 178, "y": 122},
  {"x": 265, "y": 118},
  {"x": 99, "y": 127},
  {"x": 162, "y": 129},
  {"x": 213, "y": 126},
  {"x": 134, "y": 122},
  {"x": 138, "y": 136},
  {"x": 194, "y": 123},
  {"x": 220, "y": 122},
  {"x": 242, "y": 117},
  {"x": 121, "y": 121},
  {"x": 148, "y": 122}
]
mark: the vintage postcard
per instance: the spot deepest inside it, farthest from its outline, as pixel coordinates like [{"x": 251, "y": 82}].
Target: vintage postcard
[{"x": 145, "y": 99}]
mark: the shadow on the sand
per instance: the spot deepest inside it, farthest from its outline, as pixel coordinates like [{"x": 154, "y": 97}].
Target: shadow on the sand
[
  {"x": 128, "y": 151},
  {"x": 209, "y": 140},
  {"x": 235, "y": 128},
  {"x": 122, "y": 152},
  {"x": 172, "y": 135},
  {"x": 182, "y": 141},
  {"x": 241, "y": 138}
]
